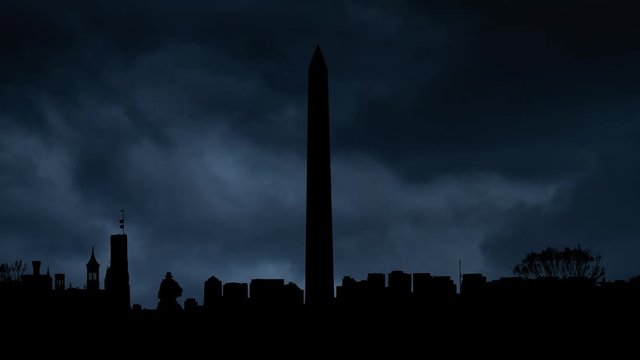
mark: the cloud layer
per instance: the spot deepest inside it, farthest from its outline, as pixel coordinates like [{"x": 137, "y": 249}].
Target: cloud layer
[{"x": 460, "y": 132}]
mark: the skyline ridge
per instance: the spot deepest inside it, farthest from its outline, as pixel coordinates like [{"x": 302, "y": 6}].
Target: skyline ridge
[{"x": 459, "y": 131}]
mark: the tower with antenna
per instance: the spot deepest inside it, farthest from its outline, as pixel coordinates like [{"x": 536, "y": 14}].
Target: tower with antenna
[
  {"x": 116, "y": 281},
  {"x": 121, "y": 221}
]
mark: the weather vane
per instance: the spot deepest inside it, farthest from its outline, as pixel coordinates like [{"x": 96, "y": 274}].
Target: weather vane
[{"x": 121, "y": 221}]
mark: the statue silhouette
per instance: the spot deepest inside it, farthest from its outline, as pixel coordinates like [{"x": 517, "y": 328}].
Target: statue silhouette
[{"x": 169, "y": 291}]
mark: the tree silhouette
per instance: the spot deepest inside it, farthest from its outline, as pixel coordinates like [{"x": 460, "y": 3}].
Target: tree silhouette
[
  {"x": 564, "y": 264},
  {"x": 12, "y": 271}
]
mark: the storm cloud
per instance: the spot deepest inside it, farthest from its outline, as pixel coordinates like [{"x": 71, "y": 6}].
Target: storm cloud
[{"x": 460, "y": 131}]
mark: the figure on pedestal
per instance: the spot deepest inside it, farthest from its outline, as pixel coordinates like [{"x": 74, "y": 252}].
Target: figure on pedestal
[{"x": 169, "y": 291}]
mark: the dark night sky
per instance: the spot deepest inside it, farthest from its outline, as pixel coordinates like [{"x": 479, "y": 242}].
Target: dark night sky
[{"x": 459, "y": 131}]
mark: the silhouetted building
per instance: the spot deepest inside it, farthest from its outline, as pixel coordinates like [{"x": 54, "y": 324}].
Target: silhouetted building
[
  {"x": 36, "y": 282},
  {"x": 212, "y": 293},
  {"x": 93, "y": 273},
  {"x": 59, "y": 281},
  {"x": 353, "y": 292},
  {"x": 473, "y": 285},
  {"x": 377, "y": 280},
  {"x": 274, "y": 292},
  {"x": 319, "y": 246},
  {"x": 32, "y": 292},
  {"x": 266, "y": 291},
  {"x": 347, "y": 292},
  {"x": 293, "y": 295},
  {"x": 235, "y": 293},
  {"x": 399, "y": 285},
  {"x": 375, "y": 288},
  {"x": 116, "y": 281},
  {"x": 421, "y": 284},
  {"x": 443, "y": 290},
  {"x": 510, "y": 290},
  {"x": 190, "y": 305}
]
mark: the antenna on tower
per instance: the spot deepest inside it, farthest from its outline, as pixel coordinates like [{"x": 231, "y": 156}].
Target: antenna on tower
[{"x": 121, "y": 221}]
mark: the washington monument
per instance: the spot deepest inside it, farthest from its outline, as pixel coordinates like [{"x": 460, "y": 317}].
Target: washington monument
[{"x": 319, "y": 249}]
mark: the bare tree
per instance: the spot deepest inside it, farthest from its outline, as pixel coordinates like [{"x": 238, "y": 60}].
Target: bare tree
[
  {"x": 12, "y": 271},
  {"x": 564, "y": 264}
]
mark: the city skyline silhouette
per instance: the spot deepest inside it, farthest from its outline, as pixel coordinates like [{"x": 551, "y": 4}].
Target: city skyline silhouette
[
  {"x": 460, "y": 132},
  {"x": 556, "y": 280}
]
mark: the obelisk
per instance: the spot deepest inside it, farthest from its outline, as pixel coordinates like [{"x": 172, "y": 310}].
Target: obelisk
[{"x": 319, "y": 248}]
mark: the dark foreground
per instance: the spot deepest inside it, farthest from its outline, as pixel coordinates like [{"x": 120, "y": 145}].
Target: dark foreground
[{"x": 396, "y": 332}]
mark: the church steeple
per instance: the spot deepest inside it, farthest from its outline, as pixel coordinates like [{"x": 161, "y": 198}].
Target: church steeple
[{"x": 93, "y": 272}]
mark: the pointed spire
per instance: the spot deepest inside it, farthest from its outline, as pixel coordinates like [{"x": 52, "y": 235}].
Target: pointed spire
[
  {"x": 318, "y": 58},
  {"x": 92, "y": 260}
]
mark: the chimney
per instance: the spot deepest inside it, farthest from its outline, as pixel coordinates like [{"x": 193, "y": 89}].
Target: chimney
[{"x": 36, "y": 267}]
